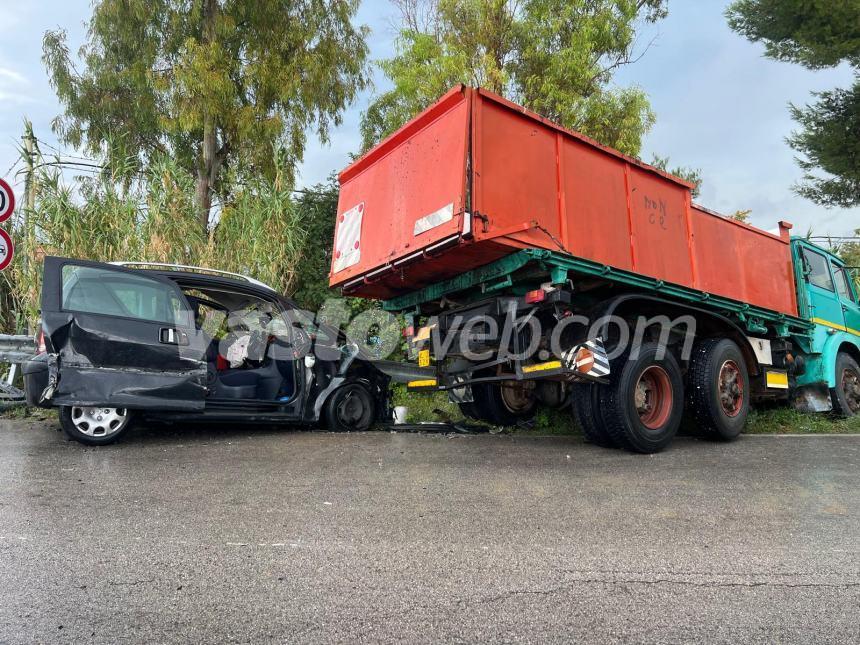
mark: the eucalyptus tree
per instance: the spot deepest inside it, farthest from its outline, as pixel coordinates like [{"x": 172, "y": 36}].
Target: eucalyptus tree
[{"x": 216, "y": 84}]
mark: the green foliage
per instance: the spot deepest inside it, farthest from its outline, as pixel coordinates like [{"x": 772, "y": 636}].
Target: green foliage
[
  {"x": 261, "y": 233},
  {"x": 556, "y": 57},
  {"x": 830, "y": 141},
  {"x": 153, "y": 218},
  {"x": 784, "y": 420},
  {"x": 421, "y": 405},
  {"x": 850, "y": 251},
  {"x": 213, "y": 83},
  {"x": 815, "y": 34},
  {"x": 693, "y": 175},
  {"x": 318, "y": 208},
  {"x": 742, "y": 215}
]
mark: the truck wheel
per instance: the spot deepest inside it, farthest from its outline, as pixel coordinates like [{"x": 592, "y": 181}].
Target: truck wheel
[
  {"x": 95, "y": 426},
  {"x": 846, "y": 394},
  {"x": 350, "y": 409},
  {"x": 584, "y": 398},
  {"x": 718, "y": 389},
  {"x": 643, "y": 404},
  {"x": 469, "y": 410},
  {"x": 503, "y": 404}
]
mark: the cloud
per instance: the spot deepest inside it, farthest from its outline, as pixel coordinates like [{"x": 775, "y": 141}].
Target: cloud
[{"x": 11, "y": 75}]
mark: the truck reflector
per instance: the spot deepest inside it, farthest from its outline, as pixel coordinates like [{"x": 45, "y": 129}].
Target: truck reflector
[
  {"x": 347, "y": 243},
  {"x": 542, "y": 367},
  {"x": 434, "y": 219},
  {"x": 538, "y": 295},
  {"x": 777, "y": 380},
  {"x": 430, "y": 382}
]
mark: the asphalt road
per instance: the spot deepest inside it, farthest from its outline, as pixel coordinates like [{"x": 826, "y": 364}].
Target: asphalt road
[{"x": 244, "y": 535}]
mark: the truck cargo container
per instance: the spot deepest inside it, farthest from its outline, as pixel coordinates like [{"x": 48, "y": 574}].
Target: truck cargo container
[{"x": 479, "y": 212}]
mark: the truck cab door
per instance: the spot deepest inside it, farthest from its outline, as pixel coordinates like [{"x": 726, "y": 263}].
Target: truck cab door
[
  {"x": 120, "y": 338},
  {"x": 847, "y": 290},
  {"x": 824, "y": 302}
]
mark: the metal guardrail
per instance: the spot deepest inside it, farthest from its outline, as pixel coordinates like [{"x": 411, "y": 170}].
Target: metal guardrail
[{"x": 14, "y": 350}]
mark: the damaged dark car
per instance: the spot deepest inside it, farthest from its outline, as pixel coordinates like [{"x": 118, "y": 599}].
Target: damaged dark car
[{"x": 125, "y": 341}]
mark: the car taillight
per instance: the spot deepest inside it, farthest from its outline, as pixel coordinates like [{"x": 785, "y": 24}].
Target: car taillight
[{"x": 538, "y": 295}]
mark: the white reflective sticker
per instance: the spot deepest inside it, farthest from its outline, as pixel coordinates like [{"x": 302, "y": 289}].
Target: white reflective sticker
[
  {"x": 444, "y": 214},
  {"x": 347, "y": 243}
]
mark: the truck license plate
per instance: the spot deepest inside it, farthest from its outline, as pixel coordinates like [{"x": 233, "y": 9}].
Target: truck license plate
[{"x": 424, "y": 358}]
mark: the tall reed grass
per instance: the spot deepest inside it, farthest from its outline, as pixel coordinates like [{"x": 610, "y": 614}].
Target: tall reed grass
[{"x": 122, "y": 213}]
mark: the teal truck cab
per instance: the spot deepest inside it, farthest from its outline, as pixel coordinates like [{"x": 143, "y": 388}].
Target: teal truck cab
[{"x": 827, "y": 296}]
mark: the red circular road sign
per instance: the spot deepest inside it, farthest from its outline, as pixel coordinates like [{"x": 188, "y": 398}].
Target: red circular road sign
[
  {"x": 7, "y": 200},
  {"x": 6, "y": 249}
]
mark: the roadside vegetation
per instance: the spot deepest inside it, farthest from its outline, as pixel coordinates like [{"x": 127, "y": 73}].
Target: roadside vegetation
[{"x": 762, "y": 420}]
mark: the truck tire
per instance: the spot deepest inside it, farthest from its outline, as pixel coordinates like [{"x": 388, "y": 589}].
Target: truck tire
[
  {"x": 95, "y": 426},
  {"x": 846, "y": 394},
  {"x": 643, "y": 404},
  {"x": 502, "y": 404},
  {"x": 584, "y": 397},
  {"x": 350, "y": 408},
  {"x": 718, "y": 389},
  {"x": 470, "y": 410}
]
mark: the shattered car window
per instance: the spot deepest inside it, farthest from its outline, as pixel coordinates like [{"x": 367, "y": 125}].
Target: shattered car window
[{"x": 114, "y": 293}]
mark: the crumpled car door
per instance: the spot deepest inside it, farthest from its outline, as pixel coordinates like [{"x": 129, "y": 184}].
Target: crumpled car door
[{"x": 121, "y": 338}]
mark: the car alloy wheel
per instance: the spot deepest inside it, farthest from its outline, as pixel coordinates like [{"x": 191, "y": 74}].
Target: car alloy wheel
[{"x": 98, "y": 421}]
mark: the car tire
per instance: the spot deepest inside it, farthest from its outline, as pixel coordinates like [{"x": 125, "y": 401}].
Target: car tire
[
  {"x": 501, "y": 404},
  {"x": 643, "y": 404},
  {"x": 350, "y": 408},
  {"x": 846, "y": 394},
  {"x": 718, "y": 389},
  {"x": 584, "y": 397},
  {"x": 95, "y": 425}
]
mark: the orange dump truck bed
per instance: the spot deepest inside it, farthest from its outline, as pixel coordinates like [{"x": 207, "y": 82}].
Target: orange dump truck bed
[{"x": 476, "y": 177}]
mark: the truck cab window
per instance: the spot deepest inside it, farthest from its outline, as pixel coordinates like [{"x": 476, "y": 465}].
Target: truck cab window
[
  {"x": 843, "y": 285},
  {"x": 819, "y": 271}
]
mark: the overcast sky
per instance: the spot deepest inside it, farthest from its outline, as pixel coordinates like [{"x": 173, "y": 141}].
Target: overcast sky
[{"x": 720, "y": 105}]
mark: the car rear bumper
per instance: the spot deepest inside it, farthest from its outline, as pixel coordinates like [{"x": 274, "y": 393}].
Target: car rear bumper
[{"x": 35, "y": 374}]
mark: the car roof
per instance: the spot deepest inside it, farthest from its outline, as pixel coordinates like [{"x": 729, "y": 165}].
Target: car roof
[{"x": 196, "y": 273}]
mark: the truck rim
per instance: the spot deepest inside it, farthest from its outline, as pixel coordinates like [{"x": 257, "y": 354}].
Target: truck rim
[
  {"x": 851, "y": 389},
  {"x": 731, "y": 388},
  {"x": 653, "y": 397},
  {"x": 516, "y": 397},
  {"x": 99, "y": 422}
]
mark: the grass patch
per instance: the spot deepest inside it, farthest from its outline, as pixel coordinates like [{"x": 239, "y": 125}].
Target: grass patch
[
  {"x": 422, "y": 405},
  {"x": 789, "y": 421},
  {"x": 547, "y": 422},
  {"x": 24, "y": 412}
]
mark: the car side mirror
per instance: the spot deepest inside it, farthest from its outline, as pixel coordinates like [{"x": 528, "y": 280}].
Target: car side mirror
[{"x": 805, "y": 269}]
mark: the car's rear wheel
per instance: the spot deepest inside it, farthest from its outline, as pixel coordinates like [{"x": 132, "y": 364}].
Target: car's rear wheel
[
  {"x": 350, "y": 409},
  {"x": 95, "y": 425}
]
